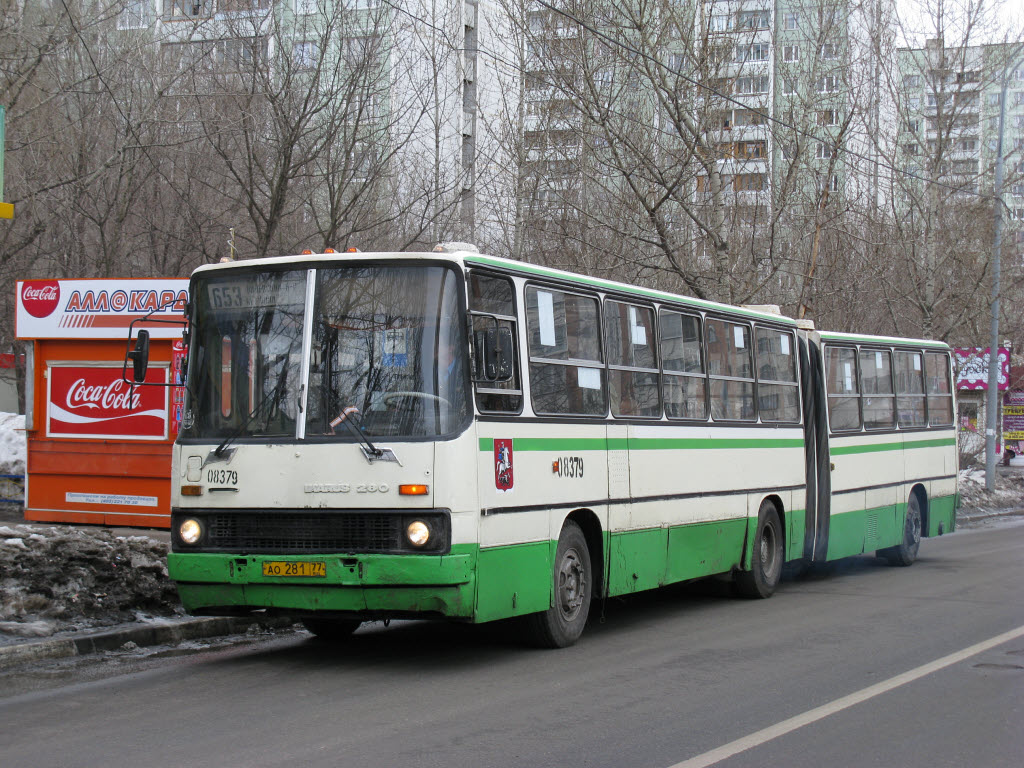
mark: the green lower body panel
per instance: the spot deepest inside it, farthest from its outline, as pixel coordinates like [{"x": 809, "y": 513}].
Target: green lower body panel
[
  {"x": 941, "y": 516},
  {"x": 653, "y": 557},
  {"x": 371, "y": 584},
  {"x": 852, "y": 533},
  {"x": 514, "y": 580}
]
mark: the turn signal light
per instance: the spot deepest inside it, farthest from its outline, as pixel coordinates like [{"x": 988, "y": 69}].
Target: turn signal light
[
  {"x": 191, "y": 490},
  {"x": 412, "y": 490}
]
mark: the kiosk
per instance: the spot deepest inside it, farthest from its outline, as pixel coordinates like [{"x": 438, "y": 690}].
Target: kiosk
[{"x": 99, "y": 449}]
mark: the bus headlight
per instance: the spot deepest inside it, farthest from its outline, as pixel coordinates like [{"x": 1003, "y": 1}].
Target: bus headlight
[
  {"x": 418, "y": 533},
  {"x": 190, "y": 531}
]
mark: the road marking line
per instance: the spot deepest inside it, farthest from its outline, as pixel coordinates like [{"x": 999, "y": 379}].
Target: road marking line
[{"x": 819, "y": 713}]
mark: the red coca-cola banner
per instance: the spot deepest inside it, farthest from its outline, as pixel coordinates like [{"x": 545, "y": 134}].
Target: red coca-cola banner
[{"x": 93, "y": 401}]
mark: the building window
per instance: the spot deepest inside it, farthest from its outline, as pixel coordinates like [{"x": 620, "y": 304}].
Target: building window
[
  {"x": 791, "y": 20},
  {"x": 823, "y": 151},
  {"x": 721, "y": 23},
  {"x": 135, "y": 15},
  {"x": 748, "y": 182},
  {"x": 911, "y": 81},
  {"x": 829, "y": 51},
  {"x": 752, "y": 52},
  {"x": 305, "y": 7},
  {"x": 829, "y": 117},
  {"x": 828, "y": 84},
  {"x": 788, "y": 86},
  {"x": 756, "y": 84},
  {"x": 752, "y": 19},
  {"x": 791, "y": 53},
  {"x": 305, "y": 55}
]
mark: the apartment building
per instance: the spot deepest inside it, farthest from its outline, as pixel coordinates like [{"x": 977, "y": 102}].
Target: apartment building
[
  {"x": 405, "y": 84},
  {"x": 949, "y": 121}
]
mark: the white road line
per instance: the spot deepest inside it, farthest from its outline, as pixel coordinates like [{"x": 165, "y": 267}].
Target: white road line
[{"x": 819, "y": 713}]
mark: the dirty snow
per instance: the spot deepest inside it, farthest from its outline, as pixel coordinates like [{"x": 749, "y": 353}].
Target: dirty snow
[
  {"x": 61, "y": 578},
  {"x": 12, "y": 444}
]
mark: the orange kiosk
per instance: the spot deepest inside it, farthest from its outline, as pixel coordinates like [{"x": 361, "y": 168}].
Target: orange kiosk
[{"x": 99, "y": 450}]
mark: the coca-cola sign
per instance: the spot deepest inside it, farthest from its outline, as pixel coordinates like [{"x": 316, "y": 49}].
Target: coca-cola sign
[
  {"x": 94, "y": 401},
  {"x": 40, "y": 297}
]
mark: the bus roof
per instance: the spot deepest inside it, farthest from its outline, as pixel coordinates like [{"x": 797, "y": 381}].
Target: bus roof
[
  {"x": 469, "y": 258},
  {"x": 894, "y": 341}
]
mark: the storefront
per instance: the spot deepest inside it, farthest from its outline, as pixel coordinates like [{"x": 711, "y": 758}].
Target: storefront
[
  {"x": 99, "y": 448},
  {"x": 972, "y": 396}
]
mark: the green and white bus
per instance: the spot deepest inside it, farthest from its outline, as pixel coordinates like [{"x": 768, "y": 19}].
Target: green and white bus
[{"x": 452, "y": 435}]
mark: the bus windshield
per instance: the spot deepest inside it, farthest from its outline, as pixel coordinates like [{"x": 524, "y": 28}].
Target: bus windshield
[{"x": 387, "y": 350}]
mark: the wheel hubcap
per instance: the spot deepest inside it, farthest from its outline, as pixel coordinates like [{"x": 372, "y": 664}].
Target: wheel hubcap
[
  {"x": 572, "y": 585},
  {"x": 768, "y": 551}
]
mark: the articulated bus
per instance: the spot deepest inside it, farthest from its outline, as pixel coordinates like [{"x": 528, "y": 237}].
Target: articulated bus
[{"x": 450, "y": 435}]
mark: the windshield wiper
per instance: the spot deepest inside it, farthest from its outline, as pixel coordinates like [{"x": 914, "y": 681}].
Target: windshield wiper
[{"x": 348, "y": 416}]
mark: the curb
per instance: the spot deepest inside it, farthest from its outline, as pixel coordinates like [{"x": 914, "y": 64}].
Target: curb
[{"x": 157, "y": 633}]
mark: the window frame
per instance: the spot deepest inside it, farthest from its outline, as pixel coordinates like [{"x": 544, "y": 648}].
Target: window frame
[
  {"x": 600, "y": 365},
  {"x": 653, "y": 344},
  {"x": 514, "y": 319},
  {"x": 794, "y": 383},
  {"x": 702, "y": 376},
  {"x": 752, "y": 380}
]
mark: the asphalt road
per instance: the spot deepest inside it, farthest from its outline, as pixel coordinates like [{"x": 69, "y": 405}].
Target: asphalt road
[{"x": 811, "y": 677}]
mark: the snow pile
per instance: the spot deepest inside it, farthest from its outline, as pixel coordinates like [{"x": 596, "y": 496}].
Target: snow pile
[
  {"x": 978, "y": 502},
  {"x": 58, "y": 579},
  {"x": 12, "y": 444}
]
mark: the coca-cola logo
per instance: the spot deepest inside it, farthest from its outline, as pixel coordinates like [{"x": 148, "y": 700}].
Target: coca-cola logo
[
  {"x": 115, "y": 396},
  {"x": 40, "y": 297}
]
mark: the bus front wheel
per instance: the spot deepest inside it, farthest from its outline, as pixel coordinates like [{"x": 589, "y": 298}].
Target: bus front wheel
[
  {"x": 562, "y": 624},
  {"x": 766, "y": 559},
  {"x": 331, "y": 630}
]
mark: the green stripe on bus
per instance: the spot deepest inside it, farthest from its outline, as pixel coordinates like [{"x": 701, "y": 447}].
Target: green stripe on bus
[
  {"x": 640, "y": 443},
  {"x": 877, "y": 447}
]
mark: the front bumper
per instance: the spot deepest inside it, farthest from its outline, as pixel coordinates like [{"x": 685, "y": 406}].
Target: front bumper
[{"x": 369, "y": 586}]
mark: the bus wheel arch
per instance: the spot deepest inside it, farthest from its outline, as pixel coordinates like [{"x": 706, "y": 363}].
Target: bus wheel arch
[
  {"x": 592, "y": 532},
  {"x": 767, "y": 552},
  {"x": 915, "y": 523},
  {"x": 573, "y": 579}
]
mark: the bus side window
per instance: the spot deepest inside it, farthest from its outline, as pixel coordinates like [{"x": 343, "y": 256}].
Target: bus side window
[
  {"x": 910, "y": 395},
  {"x": 876, "y": 385},
  {"x": 841, "y": 385},
  {"x": 566, "y": 368},
  {"x": 778, "y": 394},
  {"x": 732, "y": 371},
  {"x": 682, "y": 362},
  {"x": 633, "y": 369},
  {"x": 493, "y": 311},
  {"x": 940, "y": 394}
]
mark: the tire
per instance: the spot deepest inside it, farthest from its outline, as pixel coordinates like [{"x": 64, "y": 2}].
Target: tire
[
  {"x": 562, "y": 624},
  {"x": 332, "y": 630},
  {"x": 765, "y": 559},
  {"x": 905, "y": 553}
]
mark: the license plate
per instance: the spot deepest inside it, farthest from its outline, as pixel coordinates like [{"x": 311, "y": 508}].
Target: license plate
[{"x": 300, "y": 568}]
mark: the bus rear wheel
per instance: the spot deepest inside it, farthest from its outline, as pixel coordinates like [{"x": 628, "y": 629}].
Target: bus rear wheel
[
  {"x": 905, "y": 553},
  {"x": 332, "y": 630},
  {"x": 766, "y": 559},
  {"x": 562, "y": 624}
]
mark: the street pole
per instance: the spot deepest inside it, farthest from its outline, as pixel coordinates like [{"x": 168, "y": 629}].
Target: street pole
[{"x": 992, "y": 410}]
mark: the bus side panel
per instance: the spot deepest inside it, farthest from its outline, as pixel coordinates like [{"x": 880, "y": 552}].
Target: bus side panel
[
  {"x": 704, "y": 549},
  {"x": 637, "y": 560},
  {"x": 546, "y": 474},
  {"x": 513, "y": 580}
]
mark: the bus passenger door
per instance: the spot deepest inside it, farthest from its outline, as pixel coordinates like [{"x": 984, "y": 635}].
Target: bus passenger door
[{"x": 818, "y": 470}]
